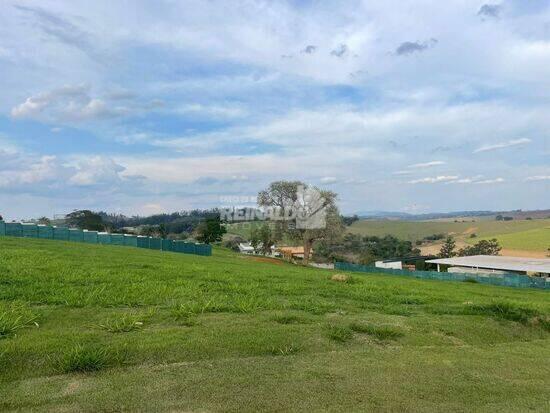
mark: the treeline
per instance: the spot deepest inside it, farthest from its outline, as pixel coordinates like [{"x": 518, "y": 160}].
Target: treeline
[
  {"x": 177, "y": 225},
  {"x": 364, "y": 249},
  {"x": 174, "y": 223},
  {"x": 483, "y": 247}
]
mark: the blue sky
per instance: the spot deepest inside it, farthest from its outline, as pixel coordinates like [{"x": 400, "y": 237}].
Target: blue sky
[{"x": 142, "y": 107}]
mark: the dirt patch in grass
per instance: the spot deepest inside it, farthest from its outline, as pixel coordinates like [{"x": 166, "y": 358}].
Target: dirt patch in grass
[
  {"x": 266, "y": 260},
  {"x": 343, "y": 278}
]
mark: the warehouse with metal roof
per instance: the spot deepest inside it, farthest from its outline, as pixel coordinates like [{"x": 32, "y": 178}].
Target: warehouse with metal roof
[{"x": 494, "y": 264}]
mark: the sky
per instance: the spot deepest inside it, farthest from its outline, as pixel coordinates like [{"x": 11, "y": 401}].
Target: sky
[{"x": 141, "y": 107}]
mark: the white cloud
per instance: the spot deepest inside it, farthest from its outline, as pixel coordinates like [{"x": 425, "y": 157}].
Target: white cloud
[
  {"x": 427, "y": 164},
  {"x": 435, "y": 179},
  {"x": 328, "y": 180},
  {"x": 538, "y": 178},
  {"x": 212, "y": 111},
  {"x": 501, "y": 145},
  {"x": 96, "y": 170},
  {"x": 25, "y": 170},
  {"x": 66, "y": 104},
  {"x": 490, "y": 181}
]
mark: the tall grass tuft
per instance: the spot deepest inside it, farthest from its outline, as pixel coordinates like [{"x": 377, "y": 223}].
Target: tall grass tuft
[
  {"x": 122, "y": 323},
  {"x": 15, "y": 316},
  {"x": 285, "y": 350},
  {"x": 87, "y": 358},
  {"x": 504, "y": 310},
  {"x": 339, "y": 333},
  {"x": 285, "y": 318}
]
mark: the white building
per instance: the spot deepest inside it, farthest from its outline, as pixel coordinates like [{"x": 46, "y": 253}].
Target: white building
[
  {"x": 246, "y": 248},
  {"x": 391, "y": 264},
  {"x": 495, "y": 264}
]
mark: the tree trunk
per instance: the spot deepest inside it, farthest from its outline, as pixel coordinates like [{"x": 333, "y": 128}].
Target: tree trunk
[{"x": 307, "y": 250}]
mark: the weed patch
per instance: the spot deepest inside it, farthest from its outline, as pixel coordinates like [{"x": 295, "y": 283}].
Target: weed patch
[
  {"x": 339, "y": 333},
  {"x": 14, "y": 317},
  {"x": 382, "y": 333},
  {"x": 284, "y": 318},
  {"x": 285, "y": 350},
  {"x": 88, "y": 359},
  {"x": 343, "y": 278},
  {"x": 503, "y": 310},
  {"x": 122, "y": 323}
]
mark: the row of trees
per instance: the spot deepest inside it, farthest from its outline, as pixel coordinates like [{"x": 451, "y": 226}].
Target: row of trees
[
  {"x": 203, "y": 230},
  {"x": 483, "y": 247},
  {"x": 365, "y": 249}
]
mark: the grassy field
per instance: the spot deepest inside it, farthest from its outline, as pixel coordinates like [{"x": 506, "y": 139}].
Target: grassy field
[
  {"x": 530, "y": 235},
  {"x": 531, "y": 240},
  {"x": 103, "y": 328}
]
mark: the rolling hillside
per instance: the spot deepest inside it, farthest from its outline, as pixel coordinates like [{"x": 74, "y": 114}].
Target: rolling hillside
[
  {"x": 106, "y": 328},
  {"x": 518, "y": 235}
]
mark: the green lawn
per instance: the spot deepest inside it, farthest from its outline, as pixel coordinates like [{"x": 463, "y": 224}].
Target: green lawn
[
  {"x": 532, "y": 240},
  {"x": 99, "y": 328},
  {"x": 415, "y": 230}
]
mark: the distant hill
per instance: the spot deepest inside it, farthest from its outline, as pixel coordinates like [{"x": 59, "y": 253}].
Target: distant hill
[{"x": 517, "y": 214}]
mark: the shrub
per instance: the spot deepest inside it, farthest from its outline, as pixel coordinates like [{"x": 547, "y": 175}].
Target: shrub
[{"x": 15, "y": 316}]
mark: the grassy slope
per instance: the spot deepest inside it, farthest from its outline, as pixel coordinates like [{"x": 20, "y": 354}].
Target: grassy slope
[
  {"x": 531, "y": 240},
  {"x": 414, "y": 230},
  {"x": 254, "y": 335}
]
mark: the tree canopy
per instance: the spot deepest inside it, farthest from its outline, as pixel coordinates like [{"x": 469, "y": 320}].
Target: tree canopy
[
  {"x": 210, "y": 230},
  {"x": 303, "y": 212},
  {"x": 86, "y": 219}
]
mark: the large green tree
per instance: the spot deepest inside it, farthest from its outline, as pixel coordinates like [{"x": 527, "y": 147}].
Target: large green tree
[
  {"x": 302, "y": 212},
  {"x": 210, "y": 230},
  {"x": 261, "y": 238},
  {"x": 448, "y": 248},
  {"x": 483, "y": 247},
  {"x": 85, "y": 219}
]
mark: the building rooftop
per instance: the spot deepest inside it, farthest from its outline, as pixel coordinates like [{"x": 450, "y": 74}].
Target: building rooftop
[{"x": 497, "y": 263}]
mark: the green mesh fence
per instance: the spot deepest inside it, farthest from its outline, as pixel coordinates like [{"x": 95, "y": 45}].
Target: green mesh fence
[
  {"x": 45, "y": 232},
  {"x": 29, "y": 230},
  {"x": 188, "y": 248},
  {"x": 130, "y": 241},
  {"x": 166, "y": 245},
  {"x": 14, "y": 229},
  {"x": 17, "y": 229},
  {"x": 143, "y": 242},
  {"x": 506, "y": 280},
  {"x": 89, "y": 237},
  {"x": 61, "y": 233},
  {"x": 104, "y": 238},
  {"x": 76, "y": 235},
  {"x": 154, "y": 243},
  {"x": 117, "y": 239}
]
